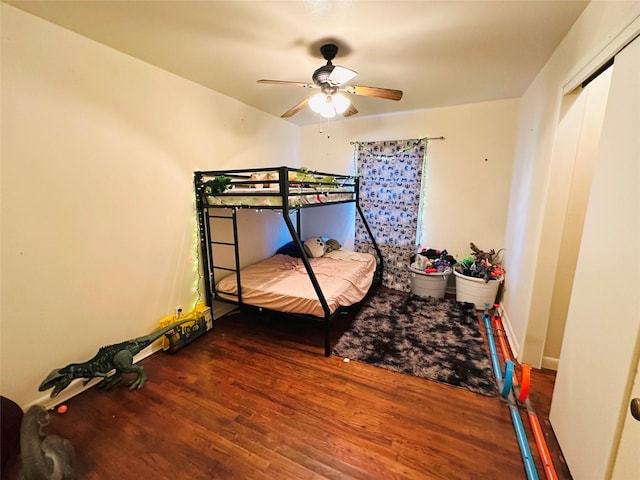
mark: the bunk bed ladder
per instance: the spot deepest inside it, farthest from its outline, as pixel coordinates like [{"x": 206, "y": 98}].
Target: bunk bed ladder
[
  {"x": 234, "y": 220},
  {"x": 207, "y": 243}
]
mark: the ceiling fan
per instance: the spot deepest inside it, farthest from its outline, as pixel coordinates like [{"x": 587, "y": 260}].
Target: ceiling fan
[{"x": 331, "y": 80}]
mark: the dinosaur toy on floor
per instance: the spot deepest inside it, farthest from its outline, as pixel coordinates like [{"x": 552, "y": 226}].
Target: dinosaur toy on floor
[{"x": 118, "y": 357}]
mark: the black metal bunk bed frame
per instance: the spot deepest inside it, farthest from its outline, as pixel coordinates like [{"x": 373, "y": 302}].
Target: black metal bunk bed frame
[{"x": 313, "y": 179}]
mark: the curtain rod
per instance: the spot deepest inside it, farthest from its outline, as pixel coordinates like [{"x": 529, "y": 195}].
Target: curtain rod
[{"x": 424, "y": 138}]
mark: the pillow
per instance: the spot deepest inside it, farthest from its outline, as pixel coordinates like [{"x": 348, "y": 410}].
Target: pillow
[
  {"x": 290, "y": 249},
  {"x": 315, "y": 246},
  {"x": 263, "y": 177}
]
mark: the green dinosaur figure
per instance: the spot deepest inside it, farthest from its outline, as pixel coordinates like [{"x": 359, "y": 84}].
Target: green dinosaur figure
[{"x": 118, "y": 357}]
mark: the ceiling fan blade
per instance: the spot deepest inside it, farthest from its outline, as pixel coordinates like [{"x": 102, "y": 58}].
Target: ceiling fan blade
[
  {"x": 340, "y": 75},
  {"x": 376, "y": 92},
  {"x": 284, "y": 82},
  {"x": 295, "y": 109},
  {"x": 350, "y": 111}
]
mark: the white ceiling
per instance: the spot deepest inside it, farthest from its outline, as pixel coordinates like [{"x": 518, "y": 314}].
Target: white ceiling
[{"x": 440, "y": 53}]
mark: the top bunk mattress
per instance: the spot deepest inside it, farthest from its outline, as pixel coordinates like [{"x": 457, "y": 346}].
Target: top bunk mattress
[{"x": 281, "y": 282}]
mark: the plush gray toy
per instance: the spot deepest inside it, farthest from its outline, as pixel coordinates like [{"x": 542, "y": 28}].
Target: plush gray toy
[
  {"x": 44, "y": 457},
  {"x": 317, "y": 247},
  {"x": 332, "y": 245}
]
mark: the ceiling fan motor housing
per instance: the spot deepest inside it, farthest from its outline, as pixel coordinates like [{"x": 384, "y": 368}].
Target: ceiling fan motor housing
[
  {"x": 321, "y": 75},
  {"x": 329, "y": 51}
]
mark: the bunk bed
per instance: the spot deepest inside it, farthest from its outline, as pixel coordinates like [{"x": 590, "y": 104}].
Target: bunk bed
[{"x": 295, "y": 281}]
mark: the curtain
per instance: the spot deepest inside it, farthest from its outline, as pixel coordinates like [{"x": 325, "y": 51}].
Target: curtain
[{"x": 390, "y": 185}]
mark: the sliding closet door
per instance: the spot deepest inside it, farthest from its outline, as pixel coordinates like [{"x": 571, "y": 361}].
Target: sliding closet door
[
  {"x": 575, "y": 152},
  {"x": 600, "y": 346},
  {"x": 627, "y": 463}
]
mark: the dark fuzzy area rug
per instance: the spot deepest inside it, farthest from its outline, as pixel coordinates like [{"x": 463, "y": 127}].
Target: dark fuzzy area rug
[{"x": 436, "y": 339}]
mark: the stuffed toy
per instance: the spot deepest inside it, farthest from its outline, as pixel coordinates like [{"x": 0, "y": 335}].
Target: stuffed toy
[
  {"x": 314, "y": 246},
  {"x": 317, "y": 246},
  {"x": 332, "y": 245},
  {"x": 263, "y": 177},
  {"x": 217, "y": 185}
]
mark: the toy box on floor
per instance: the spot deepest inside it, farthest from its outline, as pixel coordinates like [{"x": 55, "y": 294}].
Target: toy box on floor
[
  {"x": 479, "y": 277},
  {"x": 430, "y": 269},
  {"x": 433, "y": 284},
  {"x": 199, "y": 322}
]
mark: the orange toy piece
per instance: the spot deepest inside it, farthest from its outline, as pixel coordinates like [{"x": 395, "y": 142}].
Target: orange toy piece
[{"x": 526, "y": 381}]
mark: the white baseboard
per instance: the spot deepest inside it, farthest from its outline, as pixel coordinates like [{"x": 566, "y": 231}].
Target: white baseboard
[
  {"x": 547, "y": 362},
  {"x": 508, "y": 331},
  {"x": 550, "y": 362},
  {"x": 77, "y": 386}
]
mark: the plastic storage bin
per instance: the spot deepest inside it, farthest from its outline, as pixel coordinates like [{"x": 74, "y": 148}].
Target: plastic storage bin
[
  {"x": 429, "y": 284},
  {"x": 476, "y": 290}
]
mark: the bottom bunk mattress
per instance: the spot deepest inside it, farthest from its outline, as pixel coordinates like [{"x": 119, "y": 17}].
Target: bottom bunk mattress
[{"x": 281, "y": 282}]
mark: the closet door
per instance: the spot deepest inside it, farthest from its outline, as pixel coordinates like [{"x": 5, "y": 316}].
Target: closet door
[
  {"x": 575, "y": 148},
  {"x": 601, "y": 342},
  {"x": 628, "y": 460}
]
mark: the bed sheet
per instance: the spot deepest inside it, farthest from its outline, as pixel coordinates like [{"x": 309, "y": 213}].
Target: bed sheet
[{"x": 281, "y": 282}]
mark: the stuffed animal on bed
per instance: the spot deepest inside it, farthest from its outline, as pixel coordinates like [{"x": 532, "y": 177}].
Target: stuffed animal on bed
[
  {"x": 217, "y": 185},
  {"x": 314, "y": 247},
  {"x": 332, "y": 245},
  {"x": 317, "y": 246},
  {"x": 263, "y": 177}
]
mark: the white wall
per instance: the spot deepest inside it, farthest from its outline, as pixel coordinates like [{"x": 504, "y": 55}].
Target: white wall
[
  {"x": 531, "y": 263},
  {"x": 98, "y": 225},
  {"x": 468, "y": 173}
]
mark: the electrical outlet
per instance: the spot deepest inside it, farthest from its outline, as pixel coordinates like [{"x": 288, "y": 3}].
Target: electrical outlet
[{"x": 179, "y": 311}]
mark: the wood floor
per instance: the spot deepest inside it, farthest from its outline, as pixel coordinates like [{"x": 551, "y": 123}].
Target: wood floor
[{"x": 257, "y": 399}]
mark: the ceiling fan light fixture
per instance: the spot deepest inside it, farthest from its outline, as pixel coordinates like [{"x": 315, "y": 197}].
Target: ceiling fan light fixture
[
  {"x": 328, "y": 110},
  {"x": 317, "y": 102},
  {"x": 328, "y": 105},
  {"x": 321, "y": 103},
  {"x": 341, "y": 103}
]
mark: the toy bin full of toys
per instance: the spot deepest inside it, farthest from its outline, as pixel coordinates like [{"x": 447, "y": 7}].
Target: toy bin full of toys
[
  {"x": 478, "y": 277},
  {"x": 430, "y": 269}
]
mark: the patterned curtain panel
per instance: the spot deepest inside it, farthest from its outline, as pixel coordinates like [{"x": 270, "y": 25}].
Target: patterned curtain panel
[{"x": 390, "y": 185}]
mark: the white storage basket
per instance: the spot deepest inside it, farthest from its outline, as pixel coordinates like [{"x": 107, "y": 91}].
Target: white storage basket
[
  {"x": 476, "y": 290},
  {"x": 429, "y": 284}
]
